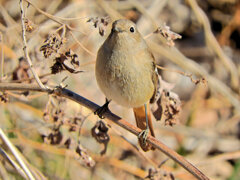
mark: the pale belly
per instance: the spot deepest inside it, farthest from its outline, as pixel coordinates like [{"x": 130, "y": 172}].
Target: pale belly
[{"x": 127, "y": 86}]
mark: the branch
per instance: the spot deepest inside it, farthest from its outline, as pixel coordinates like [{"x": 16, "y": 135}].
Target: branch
[
  {"x": 228, "y": 63},
  {"x": 114, "y": 118},
  {"x": 10, "y": 160},
  {"x": 216, "y": 85},
  {"x": 56, "y": 18},
  {"x": 82, "y": 46},
  {"x": 16, "y": 155},
  {"x": 25, "y": 47}
]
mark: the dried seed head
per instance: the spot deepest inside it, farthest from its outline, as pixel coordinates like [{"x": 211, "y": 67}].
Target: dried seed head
[
  {"x": 169, "y": 35},
  {"x": 101, "y": 23},
  {"x": 52, "y": 44}
]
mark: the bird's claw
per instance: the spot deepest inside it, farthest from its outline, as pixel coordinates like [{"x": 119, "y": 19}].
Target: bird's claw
[
  {"x": 143, "y": 135},
  {"x": 101, "y": 110}
]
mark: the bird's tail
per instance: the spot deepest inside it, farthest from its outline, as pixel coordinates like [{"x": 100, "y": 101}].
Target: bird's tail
[{"x": 141, "y": 123}]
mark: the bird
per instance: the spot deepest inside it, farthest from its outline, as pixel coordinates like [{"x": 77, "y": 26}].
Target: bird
[{"x": 126, "y": 73}]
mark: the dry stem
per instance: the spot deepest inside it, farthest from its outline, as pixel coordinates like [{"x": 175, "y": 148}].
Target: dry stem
[
  {"x": 82, "y": 46},
  {"x": 55, "y": 18},
  {"x": 25, "y": 47},
  {"x": 216, "y": 85},
  {"x": 116, "y": 119},
  {"x": 13, "y": 163},
  {"x": 16, "y": 154},
  {"x": 202, "y": 18}
]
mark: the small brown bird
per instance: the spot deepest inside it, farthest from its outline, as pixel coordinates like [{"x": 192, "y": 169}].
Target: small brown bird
[{"x": 126, "y": 73}]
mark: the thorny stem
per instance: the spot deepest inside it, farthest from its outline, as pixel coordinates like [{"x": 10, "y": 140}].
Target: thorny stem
[
  {"x": 114, "y": 118},
  {"x": 25, "y": 47}
]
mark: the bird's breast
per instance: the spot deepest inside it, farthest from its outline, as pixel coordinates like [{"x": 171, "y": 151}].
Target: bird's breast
[{"x": 124, "y": 77}]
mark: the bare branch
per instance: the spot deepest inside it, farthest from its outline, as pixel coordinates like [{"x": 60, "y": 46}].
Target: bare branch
[
  {"x": 13, "y": 163},
  {"x": 218, "y": 86},
  {"x": 202, "y": 18},
  {"x": 25, "y": 47},
  {"x": 54, "y": 18},
  {"x": 116, "y": 119},
  {"x": 16, "y": 155},
  {"x": 82, "y": 46}
]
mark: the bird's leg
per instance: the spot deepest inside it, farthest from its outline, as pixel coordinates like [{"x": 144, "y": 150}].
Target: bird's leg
[
  {"x": 144, "y": 133},
  {"x": 100, "y": 111}
]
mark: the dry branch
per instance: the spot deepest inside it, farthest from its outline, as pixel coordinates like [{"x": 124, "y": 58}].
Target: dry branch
[
  {"x": 14, "y": 164},
  {"x": 203, "y": 19},
  {"x": 216, "y": 85},
  {"x": 109, "y": 115},
  {"x": 56, "y": 18},
  {"x": 25, "y": 47},
  {"x": 16, "y": 155}
]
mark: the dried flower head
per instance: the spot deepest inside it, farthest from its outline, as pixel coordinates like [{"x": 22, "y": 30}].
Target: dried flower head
[
  {"x": 66, "y": 61},
  {"x": 29, "y": 25},
  {"x": 101, "y": 23},
  {"x": 169, "y": 35},
  {"x": 82, "y": 153},
  {"x": 159, "y": 174},
  {"x": 171, "y": 105},
  {"x": 52, "y": 44},
  {"x": 99, "y": 132},
  {"x": 168, "y": 106}
]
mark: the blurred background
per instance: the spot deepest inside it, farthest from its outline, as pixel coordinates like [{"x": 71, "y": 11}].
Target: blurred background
[{"x": 45, "y": 128}]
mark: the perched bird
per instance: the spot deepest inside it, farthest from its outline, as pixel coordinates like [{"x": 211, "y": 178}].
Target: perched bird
[{"x": 126, "y": 73}]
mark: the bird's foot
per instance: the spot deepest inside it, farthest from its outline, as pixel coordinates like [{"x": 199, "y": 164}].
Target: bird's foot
[
  {"x": 101, "y": 110},
  {"x": 143, "y": 135}
]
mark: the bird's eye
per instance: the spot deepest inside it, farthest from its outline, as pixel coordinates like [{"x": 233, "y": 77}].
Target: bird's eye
[{"x": 132, "y": 29}]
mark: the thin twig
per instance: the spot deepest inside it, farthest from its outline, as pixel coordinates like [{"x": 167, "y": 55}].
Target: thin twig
[
  {"x": 29, "y": 79},
  {"x": 108, "y": 8},
  {"x": 3, "y": 172},
  {"x": 16, "y": 154},
  {"x": 52, "y": 17},
  {"x": 25, "y": 47},
  {"x": 178, "y": 58},
  {"x": 81, "y": 125},
  {"x": 22, "y": 87},
  {"x": 23, "y": 97},
  {"x": 55, "y": 17},
  {"x": 13, "y": 163},
  {"x": 228, "y": 63},
  {"x": 81, "y": 45},
  {"x": 116, "y": 119},
  {"x": 202, "y": 80}
]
